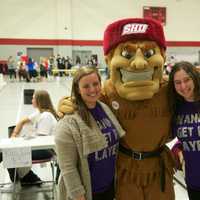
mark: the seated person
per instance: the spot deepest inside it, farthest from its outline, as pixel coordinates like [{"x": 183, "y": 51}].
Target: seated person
[{"x": 41, "y": 122}]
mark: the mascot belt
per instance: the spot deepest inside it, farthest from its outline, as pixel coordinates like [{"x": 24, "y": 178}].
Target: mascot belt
[{"x": 144, "y": 155}]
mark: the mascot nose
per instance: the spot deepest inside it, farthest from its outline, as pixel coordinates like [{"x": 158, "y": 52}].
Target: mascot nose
[{"x": 139, "y": 62}]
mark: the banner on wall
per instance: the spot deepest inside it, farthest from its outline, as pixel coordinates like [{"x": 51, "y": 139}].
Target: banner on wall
[{"x": 157, "y": 13}]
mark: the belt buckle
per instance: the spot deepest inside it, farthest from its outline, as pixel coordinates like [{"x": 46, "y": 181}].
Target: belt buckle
[{"x": 137, "y": 155}]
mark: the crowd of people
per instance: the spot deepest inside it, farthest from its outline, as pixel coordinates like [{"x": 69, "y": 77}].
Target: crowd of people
[{"x": 29, "y": 70}]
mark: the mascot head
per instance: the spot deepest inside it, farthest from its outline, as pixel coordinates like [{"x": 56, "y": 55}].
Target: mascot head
[{"x": 134, "y": 51}]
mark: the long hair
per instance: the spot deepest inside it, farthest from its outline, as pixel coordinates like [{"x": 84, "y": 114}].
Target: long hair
[
  {"x": 174, "y": 98},
  {"x": 44, "y": 102},
  {"x": 75, "y": 95}
]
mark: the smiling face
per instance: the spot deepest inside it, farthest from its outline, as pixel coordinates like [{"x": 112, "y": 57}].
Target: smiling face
[
  {"x": 136, "y": 69},
  {"x": 90, "y": 89},
  {"x": 184, "y": 85}
]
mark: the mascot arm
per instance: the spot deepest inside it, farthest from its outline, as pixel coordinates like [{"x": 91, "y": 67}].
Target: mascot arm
[{"x": 65, "y": 106}]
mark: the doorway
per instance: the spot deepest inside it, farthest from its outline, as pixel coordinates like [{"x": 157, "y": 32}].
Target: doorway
[
  {"x": 83, "y": 55},
  {"x": 37, "y": 53}
]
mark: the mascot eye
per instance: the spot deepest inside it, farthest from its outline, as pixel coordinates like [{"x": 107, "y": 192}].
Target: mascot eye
[
  {"x": 149, "y": 53},
  {"x": 127, "y": 54}
]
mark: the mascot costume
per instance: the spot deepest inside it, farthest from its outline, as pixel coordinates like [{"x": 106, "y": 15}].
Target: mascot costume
[{"x": 134, "y": 50}]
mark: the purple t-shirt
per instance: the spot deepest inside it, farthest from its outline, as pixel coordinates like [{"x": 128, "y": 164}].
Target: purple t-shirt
[
  {"x": 187, "y": 129},
  {"x": 102, "y": 163}
]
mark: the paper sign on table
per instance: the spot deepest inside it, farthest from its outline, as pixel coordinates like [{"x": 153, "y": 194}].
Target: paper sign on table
[{"x": 17, "y": 157}]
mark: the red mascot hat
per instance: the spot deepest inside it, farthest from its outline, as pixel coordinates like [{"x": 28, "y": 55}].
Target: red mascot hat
[{"x": 133, "y": 28}]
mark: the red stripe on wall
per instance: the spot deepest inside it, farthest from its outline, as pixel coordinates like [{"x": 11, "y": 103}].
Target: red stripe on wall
[
  {"x": 54, "y": 42},
  {"x": 183, "y": 43},
  {"x": 7, "y": 41}
]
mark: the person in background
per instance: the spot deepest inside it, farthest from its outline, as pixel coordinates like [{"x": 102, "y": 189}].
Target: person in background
[
  {"x": 184, "y": 101},
  {"x": 22, "y": 72},
  {"x": 94, "y": 60},
  {"x": 59, "y": 65},
  {"x": 87, "y": 142},
  {"x": 51, "y": 64},
  {"x": 68, "y": 63},
  {"x": 43, "y": 69},
  {"x": 78, "y": 60},
  {"x": 31, "y": 69},
  {"x": 42, "y": 122},
  {"x": 11, "y": 67}
]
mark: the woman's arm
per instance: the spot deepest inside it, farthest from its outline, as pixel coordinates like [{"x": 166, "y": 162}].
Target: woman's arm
[
  {"x": 177, "y": 151},
  {"x": 19, "y": 126},
  {"x": 68, "y": 159}
]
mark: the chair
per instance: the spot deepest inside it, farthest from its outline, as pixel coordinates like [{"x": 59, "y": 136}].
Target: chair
[
  {"x": 16, "y": 190},
  {"x": 52, "y": 182},
  {"x": 28, "y": 94}
]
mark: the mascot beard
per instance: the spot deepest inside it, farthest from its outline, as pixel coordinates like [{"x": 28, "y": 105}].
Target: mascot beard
[{"x": 134, "y": 51}]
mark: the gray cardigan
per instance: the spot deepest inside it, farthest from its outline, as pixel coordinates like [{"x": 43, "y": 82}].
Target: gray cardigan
[{"x": 74, "y": 141}]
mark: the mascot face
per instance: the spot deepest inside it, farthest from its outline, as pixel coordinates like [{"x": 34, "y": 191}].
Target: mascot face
[
  {"x": 134, "y": 49},
  {"x": 136, "y": 69}
]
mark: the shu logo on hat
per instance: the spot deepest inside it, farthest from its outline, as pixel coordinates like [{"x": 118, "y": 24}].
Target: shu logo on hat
[{"x": 134, "y": 28}]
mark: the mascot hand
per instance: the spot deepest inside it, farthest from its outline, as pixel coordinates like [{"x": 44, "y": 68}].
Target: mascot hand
[{"x": 65, "y": 106}]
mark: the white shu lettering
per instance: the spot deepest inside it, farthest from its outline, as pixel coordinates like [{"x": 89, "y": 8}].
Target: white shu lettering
[{"x": 134, "y": 28}]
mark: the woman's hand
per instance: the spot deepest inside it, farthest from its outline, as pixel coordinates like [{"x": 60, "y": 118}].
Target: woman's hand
[
  {"x": 81, "y": 198},
  {"x": 180, "y": 156},
  {"x": 182, "y": 161},
  {"x": 13, "y": 135}
]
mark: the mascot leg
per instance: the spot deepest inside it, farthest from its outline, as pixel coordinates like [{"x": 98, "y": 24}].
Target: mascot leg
[
  {"x": 130, "y": 187},
  {"x": 129, "y": 191},
  {"x": 153, "y": 191}
]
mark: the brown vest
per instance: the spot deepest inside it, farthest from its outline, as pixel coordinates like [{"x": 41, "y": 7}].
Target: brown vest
[
  {"x": 147, "y": 126},
  {"x": 147, "y": 122}
]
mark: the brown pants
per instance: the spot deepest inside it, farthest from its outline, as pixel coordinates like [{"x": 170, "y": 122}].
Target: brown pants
[{"x": 131, "y": 191}]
